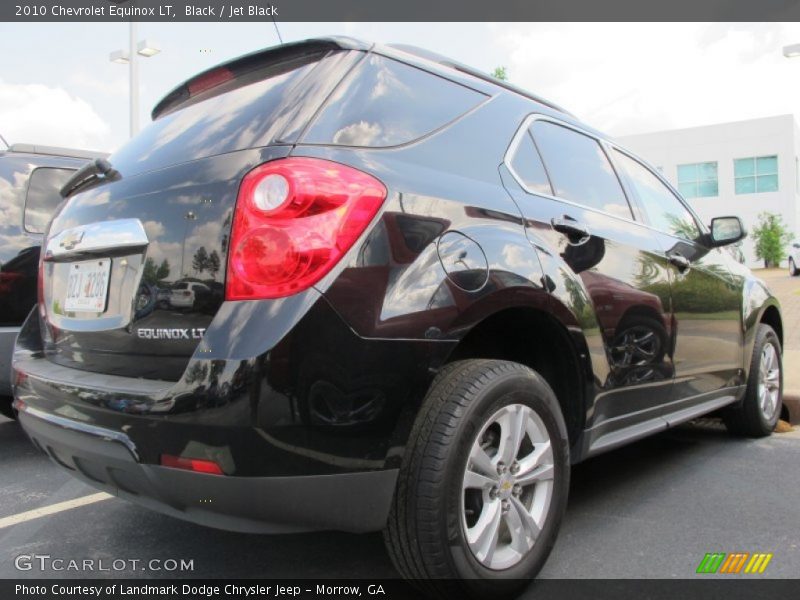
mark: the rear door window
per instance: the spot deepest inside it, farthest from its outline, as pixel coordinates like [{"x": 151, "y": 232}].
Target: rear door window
[
  {"x": 386, "y": 103},
  {"x": 44, "y": 196},
  {"x": 579, "y": 169}
]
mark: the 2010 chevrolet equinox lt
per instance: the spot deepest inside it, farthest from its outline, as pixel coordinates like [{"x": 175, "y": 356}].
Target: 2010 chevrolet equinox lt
[{"x": 342, "y": 286}]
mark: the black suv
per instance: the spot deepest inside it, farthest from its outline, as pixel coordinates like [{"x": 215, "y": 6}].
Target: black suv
[
  {"x": 439, "y": 292},
  {"x": 30, "y": 179}
]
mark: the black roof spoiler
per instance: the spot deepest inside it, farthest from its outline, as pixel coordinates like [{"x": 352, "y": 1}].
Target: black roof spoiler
[{"x": 244, "y": 63}]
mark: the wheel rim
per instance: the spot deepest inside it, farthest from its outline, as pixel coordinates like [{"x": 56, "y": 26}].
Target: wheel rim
[
  {"x": 769, "y": 381},
  {"x": 507, "y": 487},
  {"x": 636, "y": 346}
]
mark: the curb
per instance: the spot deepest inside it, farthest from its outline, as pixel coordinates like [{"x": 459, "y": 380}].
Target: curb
[{"x": 791, "y": 400}]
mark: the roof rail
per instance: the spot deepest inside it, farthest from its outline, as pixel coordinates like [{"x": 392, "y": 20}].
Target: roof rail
[
  {"x": 56, "y": 151},
  {"x": 461, "y": 67}
]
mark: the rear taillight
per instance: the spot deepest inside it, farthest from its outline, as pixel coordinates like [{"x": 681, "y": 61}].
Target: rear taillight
[
  {"x": 198, "y": 465},
  {"x": 295, "y": 219}
]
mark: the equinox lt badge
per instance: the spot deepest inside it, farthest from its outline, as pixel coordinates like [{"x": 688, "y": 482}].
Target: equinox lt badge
[{"x": 177, "y": 333}]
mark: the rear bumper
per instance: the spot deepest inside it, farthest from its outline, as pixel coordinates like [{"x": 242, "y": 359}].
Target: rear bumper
[{"x": 108, "y": 460}]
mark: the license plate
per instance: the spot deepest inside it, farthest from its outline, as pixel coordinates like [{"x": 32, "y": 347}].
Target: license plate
[{"x": 87, "y": 287}]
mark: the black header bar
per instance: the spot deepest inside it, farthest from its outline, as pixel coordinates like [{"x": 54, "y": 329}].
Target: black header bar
[{"x": 402, "y": 10}]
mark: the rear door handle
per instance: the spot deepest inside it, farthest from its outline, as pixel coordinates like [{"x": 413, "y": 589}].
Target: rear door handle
[
  {"x": 575, "y": 231},
  {"x": 680, "y": 261}
]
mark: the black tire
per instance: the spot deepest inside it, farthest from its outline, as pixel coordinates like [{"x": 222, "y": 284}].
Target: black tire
[
  {"x": 6, "y": 408},
  {"x": 794, "y": 271},
  {"x": 425, "y": 535},
  {"x": 747, "y": 418}
]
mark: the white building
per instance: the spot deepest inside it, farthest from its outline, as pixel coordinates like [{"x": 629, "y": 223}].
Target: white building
[{"x": 741, "y": 168}]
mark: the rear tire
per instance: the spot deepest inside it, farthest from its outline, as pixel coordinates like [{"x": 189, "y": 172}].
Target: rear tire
[
  {"x": 6, "y": 408},
  {"x": 758, "y": 413},
  {"x": 455, "y": 496}
]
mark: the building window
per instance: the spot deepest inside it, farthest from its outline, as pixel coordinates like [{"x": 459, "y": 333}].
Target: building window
[
  {"x": 755, "y": 175},
  {"x": 698, "y": 180}
]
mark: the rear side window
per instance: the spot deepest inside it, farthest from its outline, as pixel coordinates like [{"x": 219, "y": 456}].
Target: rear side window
[
  {"x": 44, "y": 196},
  {"x": 385, "y": 103},
  {"x": 528, "y": 167},
  {"x": 663, "y": 209},
  {"x": 579, "y": 169}
]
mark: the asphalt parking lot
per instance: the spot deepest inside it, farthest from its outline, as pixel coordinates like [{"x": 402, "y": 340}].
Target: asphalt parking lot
[
  {"x": 652, "y": 509},
  {"x": 649, "y": 510}
]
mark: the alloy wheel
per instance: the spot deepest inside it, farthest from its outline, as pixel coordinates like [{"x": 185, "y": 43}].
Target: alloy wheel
[
  {"x": 769, "y": 381},
  {"x": 507, "y": 487}
]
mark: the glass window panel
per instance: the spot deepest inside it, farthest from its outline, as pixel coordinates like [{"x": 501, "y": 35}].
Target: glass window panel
[
  {"x": 707, "y": 189},
  {"x": 44, "y": 195},
  {"x": 527, "y": 164},
  {"x": 688, "y": 190},
  {"x": 767, "y": 165},
  {"x": 745, "y": 185},
  {"x": 744, "y": 167},
  {"x": 687, "y": 173},
  {"x": 387, "y": 103},
  {"x": 664, "y": 210},
  {"x": 579, "y": 169},
  {"x": 707, "y": 170},
  {"x": 767, "y": 183}
]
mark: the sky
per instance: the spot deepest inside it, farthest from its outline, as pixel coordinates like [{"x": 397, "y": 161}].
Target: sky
[{"x": 58, "y": 87}]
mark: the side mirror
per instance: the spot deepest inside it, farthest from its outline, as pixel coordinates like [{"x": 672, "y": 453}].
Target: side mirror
[{"x": 725, "y": 231}]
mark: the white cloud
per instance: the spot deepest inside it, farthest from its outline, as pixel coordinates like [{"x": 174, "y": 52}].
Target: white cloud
[
  {"x": 634, "y": 77},
  {"x": 40, "y": 114}
]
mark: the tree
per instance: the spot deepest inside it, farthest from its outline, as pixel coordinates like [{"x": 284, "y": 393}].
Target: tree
[
  {"x": 213, "y": 264},
  {"x": 771, "y": 238},
  {"x": 500, "y": 73},
  {"x": 163, "y": 270},
  {"x": 200, "y": 259},
  {"x": 149, "y": 275}
]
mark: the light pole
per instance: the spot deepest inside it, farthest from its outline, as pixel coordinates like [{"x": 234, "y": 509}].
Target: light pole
[{"x": 146, "y": 48}]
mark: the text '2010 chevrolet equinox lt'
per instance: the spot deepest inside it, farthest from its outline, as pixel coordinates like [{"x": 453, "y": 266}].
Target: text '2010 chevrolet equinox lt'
[{"x": 421, "y": 295}]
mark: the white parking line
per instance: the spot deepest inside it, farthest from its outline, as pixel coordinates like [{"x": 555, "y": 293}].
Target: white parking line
[{"x": 29, "y": 515}]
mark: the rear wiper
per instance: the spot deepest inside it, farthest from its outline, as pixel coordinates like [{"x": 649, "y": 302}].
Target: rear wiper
[{"x": 92, "y": 172}]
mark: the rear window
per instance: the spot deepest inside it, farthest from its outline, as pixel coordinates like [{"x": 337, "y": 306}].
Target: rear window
[
  {"x": 387, "y": 103},
  {"x": 44, "y": 196},
  {"x": 180, "y": 286},
  {"x": 243, "y": 114}
]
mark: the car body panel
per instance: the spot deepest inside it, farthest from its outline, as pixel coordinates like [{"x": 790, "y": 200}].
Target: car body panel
[{"x": 329, "y": 381}]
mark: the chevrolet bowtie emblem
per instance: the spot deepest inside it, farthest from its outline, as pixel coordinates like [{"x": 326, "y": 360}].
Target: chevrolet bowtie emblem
[{"x": 71, "y": 240}]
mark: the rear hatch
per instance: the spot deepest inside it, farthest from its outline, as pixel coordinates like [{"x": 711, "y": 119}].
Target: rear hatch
[{"x": 134, "y": 267}]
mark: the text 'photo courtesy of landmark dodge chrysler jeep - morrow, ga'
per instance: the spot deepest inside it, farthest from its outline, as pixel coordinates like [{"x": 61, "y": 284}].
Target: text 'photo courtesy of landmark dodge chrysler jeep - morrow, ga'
[{"x": 428, "y": 294}]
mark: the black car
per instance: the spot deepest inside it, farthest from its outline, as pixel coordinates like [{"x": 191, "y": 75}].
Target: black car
[
  {"x": 440, "y": 291},
  {"x": 30, "y": 179}
]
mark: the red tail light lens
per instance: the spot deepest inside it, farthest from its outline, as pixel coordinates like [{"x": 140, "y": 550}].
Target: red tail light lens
[
  {"x": 295, "y": 219},
  {"x": 198, "y": 465}
]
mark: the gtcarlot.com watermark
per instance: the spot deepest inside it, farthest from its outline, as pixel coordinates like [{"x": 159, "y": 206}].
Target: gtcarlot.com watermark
[{"x": 46, "y": 562}]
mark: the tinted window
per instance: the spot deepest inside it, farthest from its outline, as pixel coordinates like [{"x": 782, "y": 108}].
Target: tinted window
[
  {"x": 527, "y": 164},
  {"x": 43, "y": 197},
  {"x": 244, "y": 116},
  {"x": 579, "y": 169},
  {"x": 386, "y": 103},
  {"x": 663, "y": 209}
]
